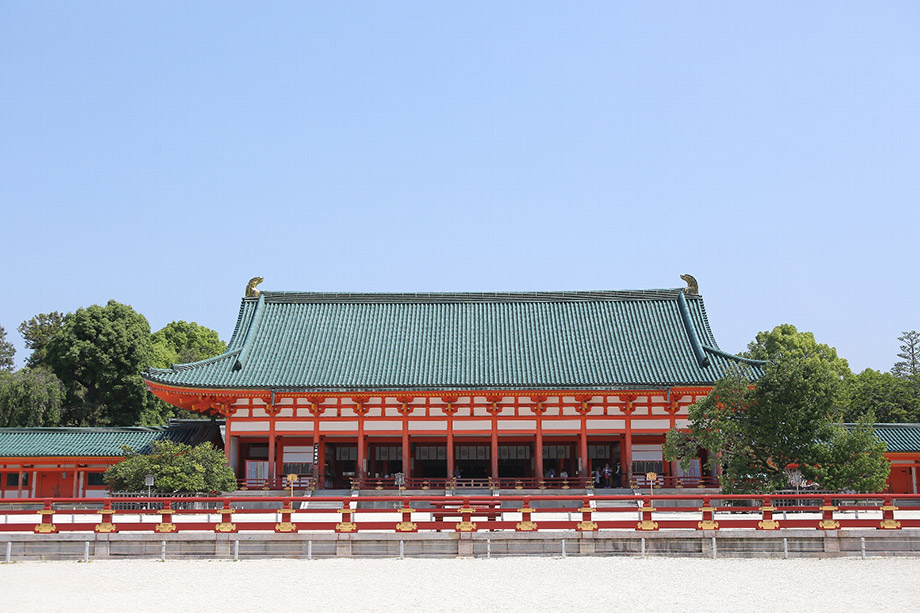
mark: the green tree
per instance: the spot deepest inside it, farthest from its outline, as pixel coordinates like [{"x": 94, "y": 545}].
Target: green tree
[
  {"x": 37, "y": 332},
  {"x": 852, "y": 458},
  {"x": 30, "y": 397},
  {"x": 7, "y": 352},
  {"x": 99, "y": 353},
  {"x": 180, "y": 342},
  {"x": 889, "y": 398},
  {"x": 785, "y": 338},
  {"x": 717, "y": 425},
  {"x": 909, "y": 366},
  {"x": 176, "y": 467},
  {"x": 786, "y": 418}
]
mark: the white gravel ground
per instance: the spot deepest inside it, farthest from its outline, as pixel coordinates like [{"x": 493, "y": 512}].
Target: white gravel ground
[{"x": 531, "y": 584}]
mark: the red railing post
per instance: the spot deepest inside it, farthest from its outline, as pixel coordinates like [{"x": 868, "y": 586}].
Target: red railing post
[
  {"x": 46, "y": 526},
  {"x": 166, "y": 513},
  {"x": 286, "y": 525},
  {"x": 827, "y": 518},
  {"x": 888, "y": 521},
  {"x": 586, "y": 524},
  {"x": 406, "y": 524},
  {"x": 646, "y": 522},
  {"x": 707, "y": 523},
  {"x": 105, "y": 525},
  {"x": 346, "y": 525},
  {"x": 225, "y": 524},
  {"x": 466, "y": 518},
  {"x": 767, "y": 523},
  {"x": 526, "y": 525}
]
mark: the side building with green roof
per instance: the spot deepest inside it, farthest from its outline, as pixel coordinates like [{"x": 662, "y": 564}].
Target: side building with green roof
[
  {"x": 437, "y": 390},
  {"x": 69, "y": 462}
]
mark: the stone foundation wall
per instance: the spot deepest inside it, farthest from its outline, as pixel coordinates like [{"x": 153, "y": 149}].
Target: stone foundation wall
[{"x": 682, "y": 543}]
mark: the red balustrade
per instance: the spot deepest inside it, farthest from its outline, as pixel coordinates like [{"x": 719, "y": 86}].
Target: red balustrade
[{"x": 421, "y": 513}]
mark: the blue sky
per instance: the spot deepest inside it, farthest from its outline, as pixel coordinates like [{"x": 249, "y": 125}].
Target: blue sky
[{"x": 162, "y": 154}]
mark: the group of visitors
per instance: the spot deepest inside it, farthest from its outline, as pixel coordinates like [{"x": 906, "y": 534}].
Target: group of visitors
[
  {"x": 550, "y": 473},
  {"x": 608, "y": 477}
]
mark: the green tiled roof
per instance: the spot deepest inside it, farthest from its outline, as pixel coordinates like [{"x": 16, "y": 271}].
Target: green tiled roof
[
  {"x": 99, "y": 442},
  {"x": 900, "y": 438},
  {"x": 543, "y": 340}
]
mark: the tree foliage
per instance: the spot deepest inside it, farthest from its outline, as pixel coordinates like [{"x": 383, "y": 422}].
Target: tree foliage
[
  {"x": 785, "y": 339},
  {"x": 852, "y": 459},
  {"x": 30, "y": 398},
  {"x": 7, "y": 352},
  {"x": 99, "y": 353},
  {"x": 181, "y": 342},
  {"x": 37, "y": 332},
  {"x": 909, "y": 365},
  {"x": 787, "y": 418},
  {"x": 889, "y": 398},
  {"x": 176, "y": 467}
]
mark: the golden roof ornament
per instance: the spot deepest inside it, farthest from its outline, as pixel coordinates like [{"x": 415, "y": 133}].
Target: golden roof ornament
[
  {"x": 693, "y": 288},
  {"x": 251, "y": 291}
]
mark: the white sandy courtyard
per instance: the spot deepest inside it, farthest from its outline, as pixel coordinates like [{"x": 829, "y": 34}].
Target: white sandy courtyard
[{"x": 508, "y": 584}]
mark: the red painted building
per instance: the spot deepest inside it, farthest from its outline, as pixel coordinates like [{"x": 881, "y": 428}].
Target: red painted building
[
  {"x": 903, "y": 442},
  {"x": 507, "y": 386},
  {"x": 69, "y": 462}
]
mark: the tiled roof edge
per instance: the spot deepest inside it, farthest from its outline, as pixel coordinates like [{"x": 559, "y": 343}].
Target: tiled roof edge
[
  {"x": 701, "y": 358},
  {"x": 511, "y": 387},
  {"x": 463, "y": 297},
  {"x": 250, "y": 334}
]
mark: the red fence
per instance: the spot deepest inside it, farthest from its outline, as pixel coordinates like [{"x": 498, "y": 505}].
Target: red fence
[
  {"x": 501, "y": 483},
  {"x": 461, "y": 513}
]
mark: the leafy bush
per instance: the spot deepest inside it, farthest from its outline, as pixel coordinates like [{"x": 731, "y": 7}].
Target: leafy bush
[{"x": 176, "y": 467}]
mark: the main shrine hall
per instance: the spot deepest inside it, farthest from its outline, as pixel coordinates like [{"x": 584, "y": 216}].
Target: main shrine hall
[{"x": 543, "y": 388}]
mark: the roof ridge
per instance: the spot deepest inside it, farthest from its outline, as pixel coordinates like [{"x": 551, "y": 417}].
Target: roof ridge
[
  {"x": 695, "y": 343},
  {"x": 732, "y": 356},
  {"x": 471, "y": 297},
  {"x": 188, "y": 365}
]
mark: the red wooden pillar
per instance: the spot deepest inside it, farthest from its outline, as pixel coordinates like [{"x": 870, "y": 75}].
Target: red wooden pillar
[
  {"x": 406, "y": 451},
  {"x": 538, "y": 450},
  {"x": 626, "y": 455},
  {"x": 314, "y": 442},
  {"x": 450, "y": 448},
  {"x": 271, "y": 452},
  {"x": 322, "y": 466},
  {"x": 224, "y": 411},
  {"x": 449, "y": 411},
  {"x": 272, "y": 464},
  {"x": 494, "y": 448},
  {"x": 585, "y": 464},
  {"x": 227, "y": 444},
  {"x": 626, "y": 469},
  {"x": 538, "y": 410},
  {"x": 406, "y": 410},
  {"x": 319, "y": 465},
  {"x": 494, "y": 410},
  {"x": 362, "y": 453},
  {"x": 450, "y": 445},
  {"x": 279, "y": 455}
]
